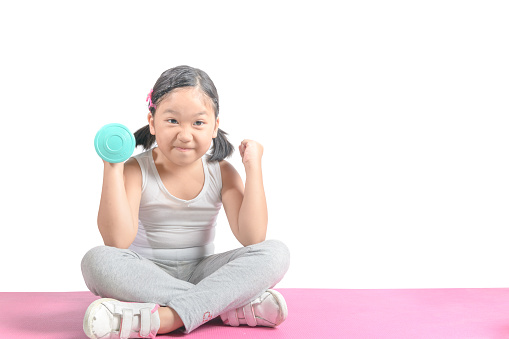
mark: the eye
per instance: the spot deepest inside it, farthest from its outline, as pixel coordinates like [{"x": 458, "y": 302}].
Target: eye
[
  {"x": 199, "y": 123},
  {"x": 172, "y": 121}
]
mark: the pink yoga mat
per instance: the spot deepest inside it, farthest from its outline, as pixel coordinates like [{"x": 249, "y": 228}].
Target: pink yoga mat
[{"x": 313, "y": 313}]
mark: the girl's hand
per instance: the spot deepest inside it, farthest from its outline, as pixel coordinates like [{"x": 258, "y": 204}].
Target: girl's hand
[{"x": 251, "y": 152}]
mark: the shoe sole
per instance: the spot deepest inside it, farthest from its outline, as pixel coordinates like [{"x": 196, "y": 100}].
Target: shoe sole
[
  {"x": 89, "y": 316},
  {"x": 282, "y": 305}
]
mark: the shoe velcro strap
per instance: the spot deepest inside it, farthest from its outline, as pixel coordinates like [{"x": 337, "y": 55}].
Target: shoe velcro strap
[
  {"x": 249, "y": 315},
  {"x": 127, "y": 323},
  {"x": 145, "y": 315},
  {"x": 232, "y": 318}
]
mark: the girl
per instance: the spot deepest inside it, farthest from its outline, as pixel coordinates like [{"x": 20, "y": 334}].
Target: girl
[{"x": 157, "y": 217}]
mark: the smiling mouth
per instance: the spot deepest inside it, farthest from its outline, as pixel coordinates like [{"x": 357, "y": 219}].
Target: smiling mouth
[{"x": 183, "y": 149}]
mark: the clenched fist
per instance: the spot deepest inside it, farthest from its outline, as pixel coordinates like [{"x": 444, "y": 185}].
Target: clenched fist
[{"x": 251, "y": 152}]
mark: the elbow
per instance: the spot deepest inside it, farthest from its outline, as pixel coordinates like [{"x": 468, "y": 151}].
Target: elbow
[
  {"x": 252, "y": 241},
  {"x": 251, "y": 233},
  {"x": 117, "y": 244},
  {"x": 118, "y": 240}
]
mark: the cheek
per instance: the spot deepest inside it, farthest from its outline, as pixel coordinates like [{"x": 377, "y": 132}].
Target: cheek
[
  {"x": 210, "y": 143},
  {"x": 205, "y": 139},
  {"x": 155, "y": 127},
  {"x": 164, "y": 135}
]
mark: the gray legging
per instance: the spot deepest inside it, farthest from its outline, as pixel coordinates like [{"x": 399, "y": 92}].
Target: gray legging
[{"x": 198, "y": 290}]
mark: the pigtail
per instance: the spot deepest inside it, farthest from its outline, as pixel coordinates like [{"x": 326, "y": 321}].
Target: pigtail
[
  {"x": 221, "y": 147},
  {"x": 144, "y": 138}
]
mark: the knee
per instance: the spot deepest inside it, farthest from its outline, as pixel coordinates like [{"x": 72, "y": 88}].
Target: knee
[
  {"x": 92, "y": 262},
  {"x": 277, "y": 255},
  {"x": 94, "y": 256},
  {"x": 99, "y": 267}
]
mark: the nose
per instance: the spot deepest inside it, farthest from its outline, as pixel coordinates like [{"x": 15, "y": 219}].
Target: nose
[{"x": 184, "y": 135}]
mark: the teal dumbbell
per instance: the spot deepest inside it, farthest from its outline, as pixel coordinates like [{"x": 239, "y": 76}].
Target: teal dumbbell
[{"x": 114, "y": 143}]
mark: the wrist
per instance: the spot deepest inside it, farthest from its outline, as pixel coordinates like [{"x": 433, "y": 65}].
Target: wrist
[
  {"x": 253, "y": 167},
  {"x": 113, "y": 167}
]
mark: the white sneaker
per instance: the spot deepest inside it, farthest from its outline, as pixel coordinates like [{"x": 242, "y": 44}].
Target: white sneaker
[
  {"x": 269, "y": 309},
  {"x": 110, "y": 318}
]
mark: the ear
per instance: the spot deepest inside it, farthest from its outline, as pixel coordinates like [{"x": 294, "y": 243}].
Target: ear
[
  {"x": 216, "y": 128},
  {"x": 150, "y": 119}
]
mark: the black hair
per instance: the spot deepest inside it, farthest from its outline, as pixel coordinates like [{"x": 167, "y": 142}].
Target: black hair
[{"x": 186, "y": 76}]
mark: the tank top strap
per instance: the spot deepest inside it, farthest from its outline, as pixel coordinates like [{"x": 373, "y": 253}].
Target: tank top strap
[
  {"x": 144, "y": 162},
  {"x": 215, "y": 176}
]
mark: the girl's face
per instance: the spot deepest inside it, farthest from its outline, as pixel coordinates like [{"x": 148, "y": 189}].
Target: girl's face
[{"x": 184, "y": 125}]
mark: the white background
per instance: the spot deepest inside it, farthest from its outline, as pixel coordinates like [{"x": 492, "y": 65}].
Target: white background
[{"x": 385, "y": 126}]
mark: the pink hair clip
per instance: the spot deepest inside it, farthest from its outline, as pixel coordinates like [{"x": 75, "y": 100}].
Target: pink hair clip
[{"x": 149, "y": 99}]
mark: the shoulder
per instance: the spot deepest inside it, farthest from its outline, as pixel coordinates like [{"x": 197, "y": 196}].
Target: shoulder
[
  {"x": 137, "y": 164},
  {"x": 132, "y": 163},
  {"x": 132, "y": 170},
  {"x": 226, "y": 167},
  {"x": 229, "y": 175}
]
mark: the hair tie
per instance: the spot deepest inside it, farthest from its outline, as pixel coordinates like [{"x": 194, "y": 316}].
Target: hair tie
[{"x": 149, "y": 99}]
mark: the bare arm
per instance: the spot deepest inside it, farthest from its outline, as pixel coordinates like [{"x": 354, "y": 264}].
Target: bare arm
[
  {"x": 120, "y": 200},
  {"x": 246, "y": 209},
  {"x": 253, "y": 216}
]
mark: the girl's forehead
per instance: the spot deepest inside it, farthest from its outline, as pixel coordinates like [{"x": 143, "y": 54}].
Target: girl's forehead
[
  {"x": 187, "y": 96},
  {"x": 186, "y": 102}
]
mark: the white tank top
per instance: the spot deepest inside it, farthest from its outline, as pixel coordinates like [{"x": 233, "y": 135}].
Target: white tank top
[{"x": 171, "y": 228}]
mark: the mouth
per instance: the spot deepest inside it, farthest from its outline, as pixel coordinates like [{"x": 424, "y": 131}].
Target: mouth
[{"x": 181, "y": 149}]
